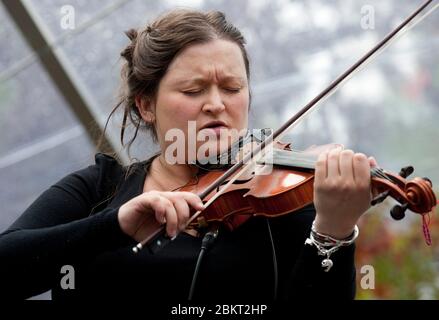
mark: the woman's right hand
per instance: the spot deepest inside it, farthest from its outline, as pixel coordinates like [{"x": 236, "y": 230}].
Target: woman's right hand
[{"x": 170, "y": 208}]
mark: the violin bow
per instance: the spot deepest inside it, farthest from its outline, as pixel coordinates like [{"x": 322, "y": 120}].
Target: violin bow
[
  {"x": 251, "y": 157},
  {"x": 406, "y": 25}
]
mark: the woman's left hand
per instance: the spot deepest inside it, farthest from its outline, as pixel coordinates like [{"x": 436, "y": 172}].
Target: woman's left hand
[{"x": 342, "y": 191}]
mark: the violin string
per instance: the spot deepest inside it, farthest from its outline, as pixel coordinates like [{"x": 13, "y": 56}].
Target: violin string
[
  {"x": 221, "y": 191},
  {"x": 378, "y": 172},
  {"x": 375, "y": 172},
  {"x": 382, "y": 174}
]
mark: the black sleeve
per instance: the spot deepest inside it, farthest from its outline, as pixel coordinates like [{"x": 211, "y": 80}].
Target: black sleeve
[
  {"x": 57, "y": 229},
  {"x": 304, "y": 276}
]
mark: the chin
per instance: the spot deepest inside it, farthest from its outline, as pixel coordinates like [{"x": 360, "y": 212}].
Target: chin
[{"x": 210, "y": 149}]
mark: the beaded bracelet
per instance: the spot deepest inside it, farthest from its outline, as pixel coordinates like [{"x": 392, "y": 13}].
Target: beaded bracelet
[{"x": 327, "y": 245}]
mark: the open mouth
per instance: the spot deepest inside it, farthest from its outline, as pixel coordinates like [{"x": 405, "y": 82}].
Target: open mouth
[{"x": 215, "y": 126}]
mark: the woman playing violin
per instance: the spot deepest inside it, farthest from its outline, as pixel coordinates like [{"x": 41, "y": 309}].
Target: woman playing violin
[{"x": 186, "y": 66}]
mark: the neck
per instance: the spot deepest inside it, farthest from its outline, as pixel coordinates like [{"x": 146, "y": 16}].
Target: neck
[{"x": 170, "y": 176}]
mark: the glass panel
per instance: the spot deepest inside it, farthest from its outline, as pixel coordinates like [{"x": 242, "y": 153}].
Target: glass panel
[
  {"x": 30, "y": 112},
  {"x": 56, "y": 13},
  {"x": 37, "y": 172},
  {"x": 38, "y": 131},
  {"x": 13, "y": 47}
]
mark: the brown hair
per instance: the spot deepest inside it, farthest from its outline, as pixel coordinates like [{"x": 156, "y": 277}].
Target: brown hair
[{"x": 152, "y": 50}]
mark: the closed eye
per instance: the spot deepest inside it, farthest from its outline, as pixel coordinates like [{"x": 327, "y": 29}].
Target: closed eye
[
  {"x": 232, "y": 90},
  {"x": 192, "y": 92}
]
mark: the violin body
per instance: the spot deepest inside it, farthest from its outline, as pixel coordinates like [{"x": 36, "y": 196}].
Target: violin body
[{"x": 282, "y": 192}]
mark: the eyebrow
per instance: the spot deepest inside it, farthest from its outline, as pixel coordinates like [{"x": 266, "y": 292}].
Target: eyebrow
[{"x": 201, "y": 80}]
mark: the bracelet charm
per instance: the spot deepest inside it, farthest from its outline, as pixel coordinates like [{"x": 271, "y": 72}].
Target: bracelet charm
[{"x": 327, "y": 245}]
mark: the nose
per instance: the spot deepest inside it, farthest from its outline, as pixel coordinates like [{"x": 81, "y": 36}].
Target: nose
[{"x": 214, "y": 102}]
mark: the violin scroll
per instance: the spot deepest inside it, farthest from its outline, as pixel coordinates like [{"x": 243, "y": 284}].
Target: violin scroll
[{"x": 416, "y": 195}]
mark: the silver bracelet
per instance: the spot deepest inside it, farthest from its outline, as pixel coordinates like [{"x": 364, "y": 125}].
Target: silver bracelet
[{"x": 327, "y": 245}]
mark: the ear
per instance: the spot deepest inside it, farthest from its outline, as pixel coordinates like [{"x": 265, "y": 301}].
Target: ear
[{"x": 145, "y": 107}]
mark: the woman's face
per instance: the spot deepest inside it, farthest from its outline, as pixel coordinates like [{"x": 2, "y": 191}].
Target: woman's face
[{"x": 205, "y": 86}]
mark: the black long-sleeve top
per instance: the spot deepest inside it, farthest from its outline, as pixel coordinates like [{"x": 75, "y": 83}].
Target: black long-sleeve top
[{"x": 74, "y": 223}]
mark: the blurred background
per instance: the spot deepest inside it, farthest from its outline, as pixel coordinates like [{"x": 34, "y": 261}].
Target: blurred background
[{"x": 59, "y": 74}]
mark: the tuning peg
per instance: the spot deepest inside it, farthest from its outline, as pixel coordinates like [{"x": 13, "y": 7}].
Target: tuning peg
[
  {"x": 379, "y": 198},
  {"x": 398, "y": 211},
  {"x": 428, "y": 180},
  {"x": 406, "y": 171}
]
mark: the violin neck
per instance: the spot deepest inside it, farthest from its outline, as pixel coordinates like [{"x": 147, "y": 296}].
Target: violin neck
[{"x": 305, "y": 160}]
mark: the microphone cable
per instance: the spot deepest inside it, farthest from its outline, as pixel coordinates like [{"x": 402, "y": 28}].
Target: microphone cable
[{"x": 208, "y": 239}]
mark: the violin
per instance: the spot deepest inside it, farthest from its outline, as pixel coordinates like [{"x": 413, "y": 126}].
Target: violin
[
  {"x": 285, "y": 190},
  {"x": 232, "y": 194},
  {"x": 289, "y": 188}
]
